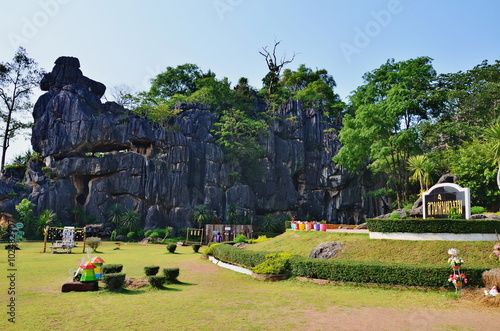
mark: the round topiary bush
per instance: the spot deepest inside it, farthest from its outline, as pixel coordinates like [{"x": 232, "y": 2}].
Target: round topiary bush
[
  {"x": 112, "y": 268},
  {"x": 171, "y": 274},
  {"x": 114, "y": 282},
  {"x": 156, "y": 281},
  {"x": 196, "y": 247},
  {"x": 171, "y": 248},
  {"x": 151, "y": 270}
]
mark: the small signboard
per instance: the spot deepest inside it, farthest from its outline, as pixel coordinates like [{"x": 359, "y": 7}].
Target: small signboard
[{"x": 441, "y": 198}]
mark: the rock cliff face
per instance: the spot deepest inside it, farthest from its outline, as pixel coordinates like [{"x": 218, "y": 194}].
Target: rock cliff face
[{"x": 99, "y": 154}]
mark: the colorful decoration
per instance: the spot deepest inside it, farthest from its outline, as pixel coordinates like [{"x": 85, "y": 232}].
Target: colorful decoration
[
  {"x": 493, "y": 292},
  {"x": 97, "y": 262},
  {"x": 457, "y": 278},
  {"x": 88, "y": 274}
]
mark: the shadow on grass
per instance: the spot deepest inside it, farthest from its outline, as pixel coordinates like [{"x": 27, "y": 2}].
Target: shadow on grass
[
  {"x": 164, "y": 288},
  {"x": 176, "y": 282},
  {"x": 122, "y": 291}
]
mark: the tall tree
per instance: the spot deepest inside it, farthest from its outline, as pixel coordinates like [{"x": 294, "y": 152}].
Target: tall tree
[
  {"x": 380, "y": 131},
  {"x": 492, "y": 135},
  {"x": 17, "y": 80}
]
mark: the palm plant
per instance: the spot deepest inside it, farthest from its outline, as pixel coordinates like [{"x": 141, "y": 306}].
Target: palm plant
[
  {"x": 201, "y": 214},
  {"x": 115, "y": 214},
  {"x": 422, "y": 168},
  {"x": 492, "y": 135},
  {"x": 130, "y": 219},
  {"x": 46, "y": 218}
]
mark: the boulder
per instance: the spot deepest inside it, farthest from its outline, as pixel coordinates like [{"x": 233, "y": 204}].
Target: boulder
[{"x": 326, "y": 250}]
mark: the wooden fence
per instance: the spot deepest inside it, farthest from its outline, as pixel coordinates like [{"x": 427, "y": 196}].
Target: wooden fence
[{"x": 227, "y": 231}]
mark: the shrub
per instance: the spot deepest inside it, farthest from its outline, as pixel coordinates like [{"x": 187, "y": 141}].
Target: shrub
[
  {"x": 114, "y": 281},
  {"x": 394, "y": 216},
  {"x": 151, "y": 270},
  {"x": 258, "y": 240},
  {"x": 230, "y": 254},
  {"x": 154, "y": 235},
  {"x": 147, "y": 233},
  {"x": 240, "y": 238},
  {"x": 433, "y": 226},
  {"x": 196, "y": 247},
  {"x": 210, "y": 248},
  {"x": 477, "y": 210},
  {"x": 156, "y": 281},
  {"x": 171, "y": 274},
  {"x": 130, "y": 236},
  {"x": 93, "y": 242},
  {"x": 171, "y": 248},
  {"x": 112, "y": 268},
  {"x": 275, "y": 263}
]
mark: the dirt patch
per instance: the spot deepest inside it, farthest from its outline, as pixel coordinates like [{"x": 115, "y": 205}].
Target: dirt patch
[{"x": 135, "y": 283}]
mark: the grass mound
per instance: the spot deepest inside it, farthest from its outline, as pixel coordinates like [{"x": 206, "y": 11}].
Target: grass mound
[{"x": 361, "y": 247}]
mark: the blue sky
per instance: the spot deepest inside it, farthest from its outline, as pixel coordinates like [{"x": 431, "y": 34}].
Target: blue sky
[{"x": 129, "y": 42}]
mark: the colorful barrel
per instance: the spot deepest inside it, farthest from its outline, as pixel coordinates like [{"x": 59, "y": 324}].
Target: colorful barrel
[
  {"x": 322, "y": 227},
  {"x": 317, "y": 227},
  {"x": 294, "y": 226},
  {"x": 309, "y": 226},
  {"x": 302, "y": 226}
]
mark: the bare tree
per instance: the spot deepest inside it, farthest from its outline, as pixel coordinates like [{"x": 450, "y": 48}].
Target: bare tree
[
  {"x": 272, "y": 78},
  {"x": 17, "y": 80},
  {"x": 122, "y": 94}
]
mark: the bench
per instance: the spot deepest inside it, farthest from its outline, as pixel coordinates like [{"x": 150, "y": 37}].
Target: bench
[{"x": 60, "y": 246}]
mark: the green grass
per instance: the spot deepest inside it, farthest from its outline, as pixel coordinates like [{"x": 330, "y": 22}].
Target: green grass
[
  {"x": 361, "y": 247},
  {"x": 207, "y": 298}
]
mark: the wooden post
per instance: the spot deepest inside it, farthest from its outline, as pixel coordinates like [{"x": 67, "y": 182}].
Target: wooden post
[
  {"x": 45, "y": 235},
  {"x": 84, "y": 239}
]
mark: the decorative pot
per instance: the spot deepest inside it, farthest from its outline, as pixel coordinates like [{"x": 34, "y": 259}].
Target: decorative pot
[
  {"x": 456, "y": 267},
  {"x": 322, "y": 227},
  {"x": 309, "y": 226}
]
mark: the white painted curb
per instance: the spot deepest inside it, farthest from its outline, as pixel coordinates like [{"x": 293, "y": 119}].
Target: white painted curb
[{"x": 230, "y": 266}]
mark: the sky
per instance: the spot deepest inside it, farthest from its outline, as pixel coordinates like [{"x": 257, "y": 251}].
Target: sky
[{"x": 130, "y": 42}]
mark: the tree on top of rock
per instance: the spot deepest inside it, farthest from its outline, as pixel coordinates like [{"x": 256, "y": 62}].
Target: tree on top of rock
[{"x": 17, "y": 80}]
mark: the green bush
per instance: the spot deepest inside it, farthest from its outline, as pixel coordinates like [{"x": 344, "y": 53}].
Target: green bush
[
  {"x": 240, "y": 238},
  {"x": 156, "y": 281},
  {"x": 171, "y": 248},
  {"x": 131, "y": 236},
  {"x": 210, "y": 248},
  {"x": 151, "y": 270},
  {"x": 171, "y": 274},
  {"x": 433, "y": 226},
  {"x": 275, "y": 263},
  {"x": 147, "y": 233},
  {"x": 394, "y": 216},
  {"x": 196, "y": 247},
  {"x": 93, "y": 242},
  {"x": 477, "y": 210},
  {"x": 230, "y": 254},
  {"x": 114, "y": 281},
  {"x": 111, "y": 268}
]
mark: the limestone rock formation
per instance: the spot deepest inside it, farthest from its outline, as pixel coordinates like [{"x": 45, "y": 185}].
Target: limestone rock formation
[
  {"x": 96, "y": 155},
  {"x": 326, "y": 250}
]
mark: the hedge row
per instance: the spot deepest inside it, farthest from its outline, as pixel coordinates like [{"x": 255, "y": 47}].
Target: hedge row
[
  {"x": 238, "y": 256},
  {"x": 433, "y": 226},
  {"x": 354, "y": 271}
]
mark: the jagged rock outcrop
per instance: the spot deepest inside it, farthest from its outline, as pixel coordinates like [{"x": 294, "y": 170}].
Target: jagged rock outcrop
[
  {"x": 326, "y": 250},
  {"x": 99, "y": 154}
]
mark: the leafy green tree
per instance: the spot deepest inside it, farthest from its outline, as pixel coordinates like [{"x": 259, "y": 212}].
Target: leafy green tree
[
  {"x": 380, "y": 132},
  {"x": 313, "y": 88},
  {"x": 17, "y": 80},
  {"x": 25, "y": 210},
  {"x": 180, "y": 80},
  {"x": 492, "y": 135},
  {"x": 472, "y": 164}
]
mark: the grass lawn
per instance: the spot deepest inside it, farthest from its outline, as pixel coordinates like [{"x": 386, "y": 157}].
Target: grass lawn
[{"x": 213, "y": 298}]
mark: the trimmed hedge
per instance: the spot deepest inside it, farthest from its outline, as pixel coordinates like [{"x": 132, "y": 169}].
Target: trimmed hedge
[
  {"x": 112, "y": 268},
  {"x": 354, "y": 271},
  {"x": 171, "y": 274},
  {"x": 156, "y": 281},
  {"x": 230, "y": 254},
  {"x": 114, "y": 281},
  {"x": 151, "y": 270},
  {"x": 433, "y": 225}
]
